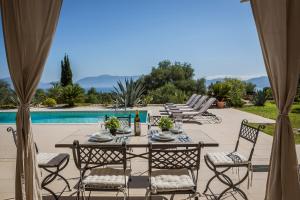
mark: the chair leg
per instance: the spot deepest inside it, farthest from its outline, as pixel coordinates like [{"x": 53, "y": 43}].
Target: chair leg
[
  {"x": 234, "y": 186},
  {"x": 226, "y": 180},
  {"x": 213, "y": 177},
  {"x": 172, "y": 197},
  {"x": 89, "y": 195}
]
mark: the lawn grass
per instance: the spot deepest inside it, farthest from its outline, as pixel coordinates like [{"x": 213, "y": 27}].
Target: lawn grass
[{"x": 270, "y": 111}]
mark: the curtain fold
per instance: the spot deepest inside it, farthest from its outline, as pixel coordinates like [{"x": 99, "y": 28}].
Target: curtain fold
[
  {"x": 278, "y": 27},
  {"x": 28, "y": 28}
]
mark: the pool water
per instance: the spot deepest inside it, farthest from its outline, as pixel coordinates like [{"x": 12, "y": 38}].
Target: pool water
[{"x": 70, "y": 117}]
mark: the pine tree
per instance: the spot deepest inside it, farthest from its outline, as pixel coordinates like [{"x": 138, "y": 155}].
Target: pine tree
[{"x": 66, "y": 72}]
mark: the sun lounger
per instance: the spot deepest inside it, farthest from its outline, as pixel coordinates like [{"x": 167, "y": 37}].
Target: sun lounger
[
  {"x": 200, "y": 114},
  {"x": 196, "y": 107},
  {"x": 190, "y": 105},
  {"x": 187, "y": 103}
]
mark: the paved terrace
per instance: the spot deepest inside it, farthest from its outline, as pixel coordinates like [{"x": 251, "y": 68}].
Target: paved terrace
[{"x": 224, "y": 133}]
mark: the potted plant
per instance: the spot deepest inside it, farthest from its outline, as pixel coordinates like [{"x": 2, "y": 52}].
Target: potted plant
[
  {"x": 165, "y": 123},
  {"x": 112, "y": 124},
  {"x": 220, "y": 92}
]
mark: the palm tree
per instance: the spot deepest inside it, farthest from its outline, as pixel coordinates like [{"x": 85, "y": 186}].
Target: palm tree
[{"x": 129, "y": 94}]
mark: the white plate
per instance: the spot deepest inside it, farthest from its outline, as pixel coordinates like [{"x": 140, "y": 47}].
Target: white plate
[
  {"x": 162, "y": 137},
  {"x": 98, "y": 137}
]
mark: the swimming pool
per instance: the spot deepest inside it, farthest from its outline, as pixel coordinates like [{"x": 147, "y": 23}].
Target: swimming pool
[{"x": 70, "y": 117}]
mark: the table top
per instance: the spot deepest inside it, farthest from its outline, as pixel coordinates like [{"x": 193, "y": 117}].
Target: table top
[{"x": 132, "y": 141}]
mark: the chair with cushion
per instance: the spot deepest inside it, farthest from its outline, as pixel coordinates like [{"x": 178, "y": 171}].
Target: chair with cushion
[
  {"x": 173, "y": 169},
  {"x": 92, "y": 161},
  {"x": 53, "y": 163},
  {"x": 221, "y": 162}
]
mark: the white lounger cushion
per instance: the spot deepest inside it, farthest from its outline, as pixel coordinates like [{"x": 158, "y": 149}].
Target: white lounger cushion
[
  {"x": 171, "y": 180},
  {"x": 226, "y": 158},
  {"x": 106, "y": 178},
  {"x": 44, "y": 158}
]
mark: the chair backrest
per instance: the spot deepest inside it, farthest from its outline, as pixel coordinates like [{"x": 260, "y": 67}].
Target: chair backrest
[
  {"x": 200, "y": 102},
  {"x": 14, "y": 134},
  {"x": 170, "y": 156},
  {"x": 89, "y": 156},
  {"x": 207, "y": 105},
  {"x": 191, "y": 99},
  {"x": 125, "y": 121},
  {"x": 194, "y": 101},
  {"x": 153, "y": 120},
  {"x": 250, "y": 134}
]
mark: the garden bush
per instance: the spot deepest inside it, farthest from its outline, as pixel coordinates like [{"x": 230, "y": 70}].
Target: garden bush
[
  {"x": 72, "y": 94},
  {"x": 219, "y": 90},
  {"x": 236, "y": 93},
  {"x": 260, "y": 98},
  {"x": 129, "y": 94},
  {"x": 49, "y": 102},
  {"x": 168, "y": 93}
]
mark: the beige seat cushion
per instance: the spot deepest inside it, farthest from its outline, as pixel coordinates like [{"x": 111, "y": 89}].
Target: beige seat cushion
[
  {"x": 106, "y": 178},
  {"x": 171, "y": 180},
  {"x": 226, "y": 158},
  {"x": 44, "y": 158}
]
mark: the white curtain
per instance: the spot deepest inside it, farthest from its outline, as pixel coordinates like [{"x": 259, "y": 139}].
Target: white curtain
[
  {"x": 28, "y": 28},
  {"x": 278, "y": 27}
]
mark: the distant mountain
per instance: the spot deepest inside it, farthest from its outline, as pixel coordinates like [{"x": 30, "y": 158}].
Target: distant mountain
[
  {"x": 260, "y": 82},
  {"x": 103, "y": 82}
]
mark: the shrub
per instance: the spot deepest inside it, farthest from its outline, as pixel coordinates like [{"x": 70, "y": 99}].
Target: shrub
[
  {"x": 219, "y": 90},
  {"x": 260, "y": 98},
  {"x": 201, "y": 86},
  {"x": 39, "y": 97},
  {"x": 236, "y": 92},
  {"x": 268, "y": 92},
  {"x": 168, "y": 93},
  {"x": 92, "y": 96},
  {"x": 72, "y": 94},
  {"x": 165, "y": 123},
  {"x": 105, "y": 98},
  {"x": 130, "y": 93},
  {"x": 147, "y": 100},
  {"x": 7, "y": 95},
  {"x": 8, "y": 106},
  {"x": 250, "y": 88},
  {"x": 55, "y": 92},
  {"x": 49, "y": 102}
]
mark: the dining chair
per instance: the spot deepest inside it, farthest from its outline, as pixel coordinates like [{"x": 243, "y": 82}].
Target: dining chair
[
  {"x": 174, "y": 169},
  {"x": 125, "y": 121},
  {"x": 95, "y": 164},
  {"x": 221, "y": 162},
  {"x": 53, "y": 163}
]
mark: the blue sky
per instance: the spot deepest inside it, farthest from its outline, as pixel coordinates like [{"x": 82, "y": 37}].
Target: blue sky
[{"x": 128, "y": 37}]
